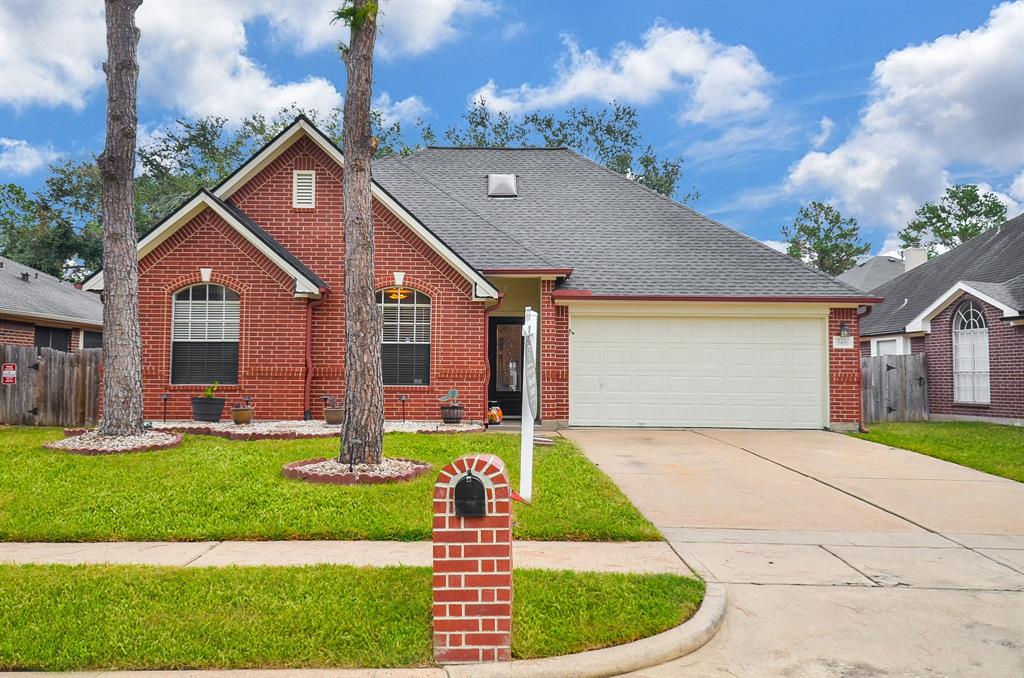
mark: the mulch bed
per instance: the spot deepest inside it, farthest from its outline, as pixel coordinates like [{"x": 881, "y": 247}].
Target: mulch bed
[
  {"x": 91, "y": 442},
  {"x": 330, "y": 472}
]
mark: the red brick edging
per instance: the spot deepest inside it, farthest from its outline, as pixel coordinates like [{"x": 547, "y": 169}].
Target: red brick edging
[
  {"x": 95, "y": 451},
  {"x": 294, "y": 471}
]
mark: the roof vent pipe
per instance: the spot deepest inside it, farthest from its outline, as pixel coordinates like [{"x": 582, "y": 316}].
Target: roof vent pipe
[{"x": 914, "y": 257}]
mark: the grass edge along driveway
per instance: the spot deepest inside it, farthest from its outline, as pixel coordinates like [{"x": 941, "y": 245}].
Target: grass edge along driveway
[
  {"x": 216, "y": 489},
  {"x": 992, "y": 448},
  {"x": 92, "y": 617}
]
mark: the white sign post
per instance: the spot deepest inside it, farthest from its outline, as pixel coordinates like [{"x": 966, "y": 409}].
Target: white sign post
[{"x": 530, "y": 399}]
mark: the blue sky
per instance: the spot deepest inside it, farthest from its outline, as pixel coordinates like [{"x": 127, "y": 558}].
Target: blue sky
[{"x": 876, "y": 106}]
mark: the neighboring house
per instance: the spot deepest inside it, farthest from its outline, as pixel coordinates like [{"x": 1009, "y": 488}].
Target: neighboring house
[
  {"x": 876, "y": 271},
  {"x": 965, "y": 310},
  {"x": 650, "y": 314},
  {"x": 40, "y": 310}
]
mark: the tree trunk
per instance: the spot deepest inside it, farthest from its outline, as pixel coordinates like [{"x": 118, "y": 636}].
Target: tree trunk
[
  {"x": 363, "y": 431},
  {"x": 122, "y": 340}
]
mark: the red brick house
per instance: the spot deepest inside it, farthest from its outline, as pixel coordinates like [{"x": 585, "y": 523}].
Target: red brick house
[
  {"x": 965, "y": 310},
  {"x": 37, "y": 309},
  {"x": 650, "y": 314}
]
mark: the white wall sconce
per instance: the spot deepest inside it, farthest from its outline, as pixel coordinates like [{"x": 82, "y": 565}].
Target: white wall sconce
[{"x": 205, "y": 274}]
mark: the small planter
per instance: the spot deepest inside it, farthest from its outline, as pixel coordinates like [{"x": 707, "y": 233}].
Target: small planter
[
  {"x": 242, "y": 415},
  {"x": 333, "y": 416},
  {"x": 451, "y": 414},
  {"x": 207, "y": 409}
]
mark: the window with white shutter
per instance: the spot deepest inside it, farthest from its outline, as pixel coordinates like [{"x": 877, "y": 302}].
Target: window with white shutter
[
  {"x": 204, "y": 335},
  {"x": 405, "y": 341},
  {"x": 304, "y": 188},
  {"x": 970, "y": 355}
]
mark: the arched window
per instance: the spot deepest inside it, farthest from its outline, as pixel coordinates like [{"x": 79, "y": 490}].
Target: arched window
[
  {"x": 405, "y": 342},
  {"x": 970, "y": 354},
  {"x": 204, "y": 335}
]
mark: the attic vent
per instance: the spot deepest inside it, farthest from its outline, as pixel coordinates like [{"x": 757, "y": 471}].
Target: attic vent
[
  {"x": 304, "y": 188},
  {"x": 501, "y": 186}
]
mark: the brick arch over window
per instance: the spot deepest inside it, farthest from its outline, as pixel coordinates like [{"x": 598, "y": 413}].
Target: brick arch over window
[
  {"x": 205, "y": 323},
  {"x": 406, "y": 335},
  {"x": 970, "y": 355}
]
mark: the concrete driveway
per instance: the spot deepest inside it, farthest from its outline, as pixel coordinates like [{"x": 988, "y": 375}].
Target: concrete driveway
[{"x": 841, "y": 557}]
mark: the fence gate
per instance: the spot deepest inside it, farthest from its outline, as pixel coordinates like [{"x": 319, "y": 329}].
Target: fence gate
[
  {"x": 895, "y": 388},
  {"x": 53, "y": 388}
]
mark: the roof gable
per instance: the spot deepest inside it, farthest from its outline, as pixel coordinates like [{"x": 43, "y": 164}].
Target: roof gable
[
  {"x": 302, "y": 127},
  {"x": 307, "y": 283},
  {"x": 996, "y": 257}
]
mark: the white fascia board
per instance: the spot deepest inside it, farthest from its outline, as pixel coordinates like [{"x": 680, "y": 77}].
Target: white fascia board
[
  {"x": 482, "y": 288},
  {"x": 74, "y": 323},
  {"x": 923, "y": 322},
  {"x": 303, "y": 286}
]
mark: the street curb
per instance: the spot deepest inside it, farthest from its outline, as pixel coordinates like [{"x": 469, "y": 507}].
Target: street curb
[{"x": 613, "y": 661}]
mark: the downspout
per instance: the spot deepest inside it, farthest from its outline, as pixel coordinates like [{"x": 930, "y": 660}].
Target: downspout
[
  {"x": 487, "y": 350},
  {"x": 307, "y": 411}
]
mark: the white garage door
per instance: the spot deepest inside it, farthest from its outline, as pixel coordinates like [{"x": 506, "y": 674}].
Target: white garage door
[{"x": 673, "y": 371}]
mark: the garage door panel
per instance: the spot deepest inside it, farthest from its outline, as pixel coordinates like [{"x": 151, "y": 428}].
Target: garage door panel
[{"x": 671, "y": 371}]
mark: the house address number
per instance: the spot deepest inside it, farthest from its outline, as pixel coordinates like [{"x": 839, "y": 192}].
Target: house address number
[{"x": 842, "y": 342}]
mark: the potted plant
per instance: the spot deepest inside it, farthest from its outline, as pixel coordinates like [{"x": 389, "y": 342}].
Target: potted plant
[
  {"x": 451, "y": 408},
  {"x": 241, "y": 413},
  {"x": 206, "y": 407},
  {"x": 333, "y": 413}
]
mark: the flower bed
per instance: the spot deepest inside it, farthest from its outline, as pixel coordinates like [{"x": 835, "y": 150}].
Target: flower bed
[
  {"x": 290, "y": 430},
  {"x": 91, "y": 442},
  {"x": 330, "y": 472}
]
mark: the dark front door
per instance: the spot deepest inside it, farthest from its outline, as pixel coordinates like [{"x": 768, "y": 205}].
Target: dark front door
[{"x": 506, "y": 356}]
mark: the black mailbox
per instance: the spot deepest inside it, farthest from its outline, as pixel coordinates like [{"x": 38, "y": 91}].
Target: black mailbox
[{"x": 470, "y": 496}]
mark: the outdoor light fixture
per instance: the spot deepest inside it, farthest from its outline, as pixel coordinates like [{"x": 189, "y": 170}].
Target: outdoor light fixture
[
  {"x": 403, "y": 398},
  {"x": 396, "y": 292},
  {"x": 844, "y": 330},
  {"x": 165, "y": 397}
]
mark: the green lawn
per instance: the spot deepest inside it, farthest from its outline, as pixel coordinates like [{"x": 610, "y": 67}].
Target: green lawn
[
  {"x": 59, "y": 617},
  {"x": 991, "y": 448},
  {"x": 212, "y": 489}
]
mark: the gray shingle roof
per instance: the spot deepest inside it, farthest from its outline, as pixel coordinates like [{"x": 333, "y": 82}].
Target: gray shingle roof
[
  {"x": 45, "y": 296},
  {"x": 993, "y": 260},
  {"x": 876, "y": 271},
  {"x": 619, "y": 237}
]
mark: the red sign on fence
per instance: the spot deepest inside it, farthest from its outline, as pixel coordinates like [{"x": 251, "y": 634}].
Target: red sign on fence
[{"x": 10, "y": 373}]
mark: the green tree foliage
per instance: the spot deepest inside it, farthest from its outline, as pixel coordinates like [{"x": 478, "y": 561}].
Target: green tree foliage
[
  {"x": 962, "y": 213},
  {"x": 821, "y": 237},
  {"x": 58, "y": 228}
]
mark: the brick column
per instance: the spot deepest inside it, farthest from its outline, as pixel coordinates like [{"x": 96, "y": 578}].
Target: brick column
[
  {"x": 473, "y": 567},
  {"x": 554, "y": 356},
  {"x": 844, "y": 372}
]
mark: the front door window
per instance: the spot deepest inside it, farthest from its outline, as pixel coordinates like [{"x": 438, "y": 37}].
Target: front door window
[{"x": 508, "y": 353}]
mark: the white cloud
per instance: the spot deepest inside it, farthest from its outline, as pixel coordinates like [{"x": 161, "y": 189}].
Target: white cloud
[
  {"x": 513, "y": 30},
  {"x": 50, "y": 53},
  {"x": 777, "y": 245},
  {"x": 954, "y": 101},
  {"x": 714, "y": 81},
  {"x": 1017, "y": 187},
  {"x": 739, "y": 140},
  {"x": 17, "y": 156},
  {"x": 403, "y": 110},
  {"x": 825, "y": 128},
  {"x": 194, "y": 56}
]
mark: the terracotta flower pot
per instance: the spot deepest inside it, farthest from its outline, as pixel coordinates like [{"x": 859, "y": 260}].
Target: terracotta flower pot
[
  {"x": 242, "y": 415},
  {"x": 333, "y": 416}
]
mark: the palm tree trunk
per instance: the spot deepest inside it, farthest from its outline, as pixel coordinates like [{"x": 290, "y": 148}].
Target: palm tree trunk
[
  {"x": 363, "y": 432},
  {"x": 122, "y": 339}
]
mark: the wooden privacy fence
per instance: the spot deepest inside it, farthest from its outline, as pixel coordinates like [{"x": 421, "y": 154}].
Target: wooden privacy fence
[
  {"x": 54, "y": 388},
  {"x": 895, "y": 388}
]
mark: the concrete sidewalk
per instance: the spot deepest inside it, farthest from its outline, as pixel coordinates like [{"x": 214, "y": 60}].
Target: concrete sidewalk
[
  {"x": 644, "y": 557},
  {"x": 841, "y": 557}
]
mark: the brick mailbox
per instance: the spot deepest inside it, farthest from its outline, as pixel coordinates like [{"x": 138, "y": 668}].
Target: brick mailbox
[{"x": 473, "y": 561}]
